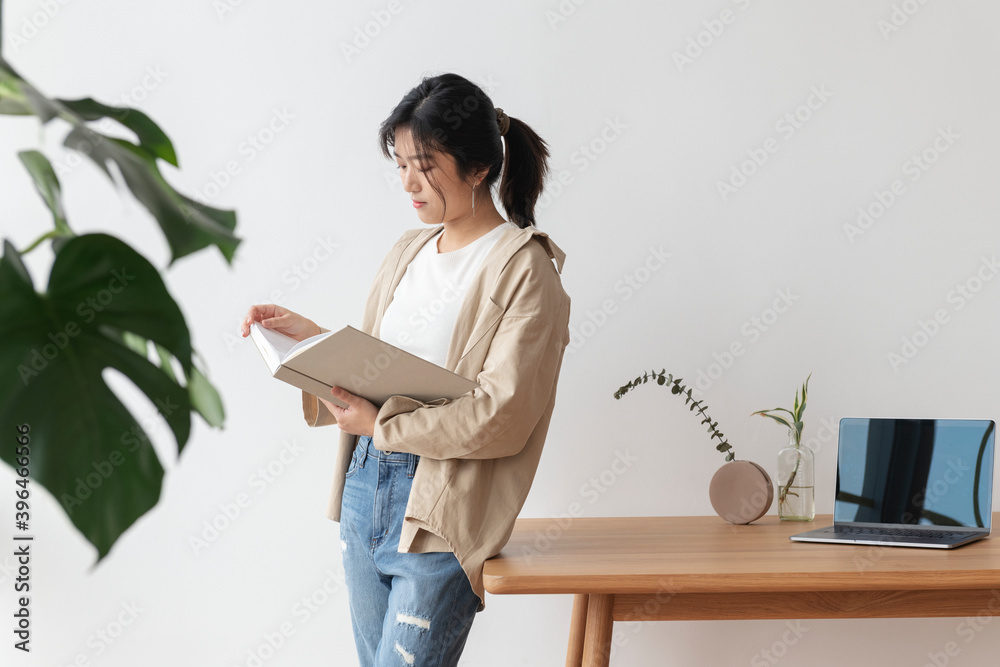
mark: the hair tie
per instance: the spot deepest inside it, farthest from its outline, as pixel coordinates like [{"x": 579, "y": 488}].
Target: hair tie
[{"x": 503, "y": 121}]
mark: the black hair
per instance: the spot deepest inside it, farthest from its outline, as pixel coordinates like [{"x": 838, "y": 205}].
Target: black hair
[{"x": 451, "y": 114}]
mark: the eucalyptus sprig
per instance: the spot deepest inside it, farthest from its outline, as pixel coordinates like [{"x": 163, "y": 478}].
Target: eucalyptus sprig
[{"x": 677, "y": 387}]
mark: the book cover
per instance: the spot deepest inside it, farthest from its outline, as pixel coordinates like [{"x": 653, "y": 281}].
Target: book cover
[{"x": 361, "y": 364}]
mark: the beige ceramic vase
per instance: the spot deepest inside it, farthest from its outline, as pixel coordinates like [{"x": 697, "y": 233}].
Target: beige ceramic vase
[{"x": 741, "y": 492}]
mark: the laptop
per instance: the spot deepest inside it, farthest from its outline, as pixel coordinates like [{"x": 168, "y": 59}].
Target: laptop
[{"x": 911, "y": 483}]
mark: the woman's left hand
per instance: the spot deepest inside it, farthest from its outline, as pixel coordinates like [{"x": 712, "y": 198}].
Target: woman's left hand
[{"x": 359, "y": 416}]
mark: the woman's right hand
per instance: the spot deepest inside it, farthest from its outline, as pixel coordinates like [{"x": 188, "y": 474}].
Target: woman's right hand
[{"x": 281, "y": 320}]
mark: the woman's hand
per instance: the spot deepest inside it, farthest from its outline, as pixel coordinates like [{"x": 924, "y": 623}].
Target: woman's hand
[
  {"x": 359, "y": 416},
  {"x": 281, "y": 320}
]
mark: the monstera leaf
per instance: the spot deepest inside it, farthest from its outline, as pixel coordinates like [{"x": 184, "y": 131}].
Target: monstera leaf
[
  {"x": 87, "y": 449},
  {"x": 105, "y": 307},
  {"x": 188, "y": 225}
]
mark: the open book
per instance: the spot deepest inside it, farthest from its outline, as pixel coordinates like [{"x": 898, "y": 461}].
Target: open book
[{"x": 361, "y": 364}]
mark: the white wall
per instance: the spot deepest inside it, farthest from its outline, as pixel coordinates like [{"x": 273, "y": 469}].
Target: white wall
[{"x": 604, "y": 65}]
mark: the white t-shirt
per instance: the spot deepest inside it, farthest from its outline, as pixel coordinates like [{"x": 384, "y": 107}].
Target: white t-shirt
[{"x": 424, "y": 308}]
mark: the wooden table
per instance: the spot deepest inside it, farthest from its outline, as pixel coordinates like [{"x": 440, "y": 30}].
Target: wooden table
[{"x": 703, "y": 568}]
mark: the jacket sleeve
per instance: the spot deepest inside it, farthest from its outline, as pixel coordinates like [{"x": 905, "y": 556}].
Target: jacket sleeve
[
  {"x": 314, "y": 410},
  {"x": 516, "y": 383}
]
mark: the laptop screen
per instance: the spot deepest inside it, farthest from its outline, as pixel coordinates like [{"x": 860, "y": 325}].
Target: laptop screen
[{"x": 930, "y": 472}]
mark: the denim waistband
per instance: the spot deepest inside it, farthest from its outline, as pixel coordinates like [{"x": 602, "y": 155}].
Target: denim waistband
[{"x": 366, "y": 447}]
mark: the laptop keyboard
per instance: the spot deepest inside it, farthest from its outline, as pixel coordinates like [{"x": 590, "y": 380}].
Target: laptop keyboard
[{"x": 901, "y": 532}]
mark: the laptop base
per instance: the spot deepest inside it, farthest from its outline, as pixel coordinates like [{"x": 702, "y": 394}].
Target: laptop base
[{"x": 844, "y": 535}]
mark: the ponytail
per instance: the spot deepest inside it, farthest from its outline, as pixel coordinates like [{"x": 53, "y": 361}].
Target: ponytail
[{"x": 525, "y": 167}]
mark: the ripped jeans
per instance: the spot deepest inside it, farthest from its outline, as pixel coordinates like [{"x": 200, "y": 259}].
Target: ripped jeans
[{"x": 406, "y": 608}]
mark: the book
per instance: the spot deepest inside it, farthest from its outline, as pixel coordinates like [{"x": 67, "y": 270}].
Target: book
[{"x": 361, "y": 364}]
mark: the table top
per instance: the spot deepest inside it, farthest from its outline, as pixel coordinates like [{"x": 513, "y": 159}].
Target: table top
[{"x": 700, "y": 554}]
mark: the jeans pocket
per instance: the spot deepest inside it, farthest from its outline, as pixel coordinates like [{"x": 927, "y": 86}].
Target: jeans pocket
[{"x": 353, "y": 467}]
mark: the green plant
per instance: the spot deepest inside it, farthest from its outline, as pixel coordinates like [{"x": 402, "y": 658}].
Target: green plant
[
  {"x": 105, "y": 307},
  {"x": 794, "y": 424},
  {"x": 677, "y": 387}
]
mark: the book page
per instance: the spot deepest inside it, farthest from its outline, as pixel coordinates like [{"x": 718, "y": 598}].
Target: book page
[
  {"x": 273, "y": 345},
  {"x": 303, "y": 345}
]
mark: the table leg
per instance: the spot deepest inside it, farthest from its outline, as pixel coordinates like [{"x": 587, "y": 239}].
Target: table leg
[
  {"x": 597, "y": 644},
  {"x": 577, "y": 630}
]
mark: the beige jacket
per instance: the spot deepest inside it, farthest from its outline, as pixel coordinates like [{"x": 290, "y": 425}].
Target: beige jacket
[{"x": 479, "y": 452}]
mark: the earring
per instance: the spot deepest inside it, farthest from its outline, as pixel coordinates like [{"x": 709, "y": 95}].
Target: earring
[{"x": 474, "y": 197}]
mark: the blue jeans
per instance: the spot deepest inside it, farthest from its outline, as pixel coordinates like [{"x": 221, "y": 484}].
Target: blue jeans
[{"x": 406, "y": 608}]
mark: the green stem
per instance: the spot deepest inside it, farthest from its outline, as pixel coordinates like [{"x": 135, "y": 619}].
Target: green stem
[
  {"x": 791, "y": 478},
  {"x": 14, "y": 93},
  {"x": 47, "y": 235}
]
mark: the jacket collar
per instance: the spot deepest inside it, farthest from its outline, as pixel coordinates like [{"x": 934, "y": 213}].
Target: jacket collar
[
  {"x": 514, "y": 239},
  {"x": 510, "y": 242}
]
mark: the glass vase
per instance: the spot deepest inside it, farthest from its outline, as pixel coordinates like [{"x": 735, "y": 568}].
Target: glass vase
[{"x": 796, "y": 482}]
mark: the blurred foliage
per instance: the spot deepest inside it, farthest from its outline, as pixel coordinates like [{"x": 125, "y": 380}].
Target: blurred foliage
[{"x": 105, "y": 306}]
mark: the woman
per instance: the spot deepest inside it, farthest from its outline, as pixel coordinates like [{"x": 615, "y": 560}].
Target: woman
[{"x": 479, "y": 295}]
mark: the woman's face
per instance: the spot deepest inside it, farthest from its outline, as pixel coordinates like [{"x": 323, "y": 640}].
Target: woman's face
[{"x": 415, "y": 171}]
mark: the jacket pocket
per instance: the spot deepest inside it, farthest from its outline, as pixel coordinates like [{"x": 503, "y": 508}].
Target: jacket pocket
[{"x": 486, "y": 325}]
